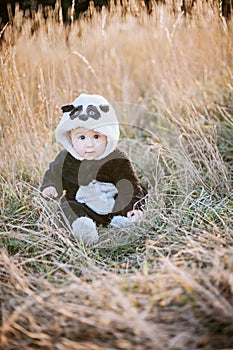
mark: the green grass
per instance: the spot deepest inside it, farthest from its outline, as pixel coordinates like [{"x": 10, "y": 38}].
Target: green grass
[{"x": 166, "y": 282}]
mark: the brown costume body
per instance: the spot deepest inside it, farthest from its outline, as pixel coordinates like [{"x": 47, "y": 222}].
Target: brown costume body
[{"x": 67, "y": 174}]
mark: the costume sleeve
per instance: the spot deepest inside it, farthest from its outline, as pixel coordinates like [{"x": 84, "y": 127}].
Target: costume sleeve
[
  {"x": 53, "y": 175},
  {"x": 130, "y": 192}
]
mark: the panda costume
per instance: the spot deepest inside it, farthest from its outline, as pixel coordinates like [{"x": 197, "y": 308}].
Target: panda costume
[{"x": 96, "y": 192}]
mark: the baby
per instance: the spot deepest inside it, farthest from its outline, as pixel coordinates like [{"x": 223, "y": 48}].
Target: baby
[{"x": 98, "y": 179}]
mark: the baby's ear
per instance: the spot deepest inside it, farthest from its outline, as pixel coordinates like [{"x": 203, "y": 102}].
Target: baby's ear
[{"x": 67, "y": 108}]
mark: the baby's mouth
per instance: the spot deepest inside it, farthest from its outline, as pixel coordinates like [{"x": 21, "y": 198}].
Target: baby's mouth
[{"x": 90, "y": 154}]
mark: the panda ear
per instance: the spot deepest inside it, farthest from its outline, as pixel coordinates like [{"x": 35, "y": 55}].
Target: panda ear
[
  {"x": 104, "y": 108},
  {"x": 67, "y": 108}
]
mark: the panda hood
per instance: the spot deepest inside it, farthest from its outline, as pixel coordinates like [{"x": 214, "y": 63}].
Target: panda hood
[{"x": 92, "y": 112}]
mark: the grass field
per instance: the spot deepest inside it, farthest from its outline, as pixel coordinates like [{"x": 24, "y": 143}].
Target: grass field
[{"x": 167, "y": 282}]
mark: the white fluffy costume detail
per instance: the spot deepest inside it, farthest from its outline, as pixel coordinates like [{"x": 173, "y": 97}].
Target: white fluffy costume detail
[
  {"x": 121, "y": 221},
  {"x": 98, "y": 196},
  {"x": 92, "y": 112},
  {"x": 85, "y": 228}
]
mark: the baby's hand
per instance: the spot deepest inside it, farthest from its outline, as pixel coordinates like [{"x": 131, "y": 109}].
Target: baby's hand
[
  {"x": 135, "y": 215},
  {"x": 50, "y": 192}
]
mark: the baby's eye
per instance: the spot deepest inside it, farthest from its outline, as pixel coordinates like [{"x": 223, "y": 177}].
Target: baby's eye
[
  {"x": 96, "y": 136},
  {"x": 82, "y": 137}
]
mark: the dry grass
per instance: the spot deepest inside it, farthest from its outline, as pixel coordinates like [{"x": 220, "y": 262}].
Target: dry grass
[{"x": 167, "y": 282}]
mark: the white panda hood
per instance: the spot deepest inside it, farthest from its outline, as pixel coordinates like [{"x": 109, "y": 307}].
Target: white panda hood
[{"x": 92, "y": 112}]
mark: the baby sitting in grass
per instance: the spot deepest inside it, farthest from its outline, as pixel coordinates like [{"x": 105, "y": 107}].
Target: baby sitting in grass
[{"x": 99, "y": 182}]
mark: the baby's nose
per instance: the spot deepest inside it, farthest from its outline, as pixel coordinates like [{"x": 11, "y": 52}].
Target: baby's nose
[{"x": 89, "y": 141}]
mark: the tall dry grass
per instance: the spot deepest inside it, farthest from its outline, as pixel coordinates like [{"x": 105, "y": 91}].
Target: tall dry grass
[{"x": 167, "y": 282}]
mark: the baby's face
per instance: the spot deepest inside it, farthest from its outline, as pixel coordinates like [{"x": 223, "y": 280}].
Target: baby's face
[{"x": 89, "y": 144}]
